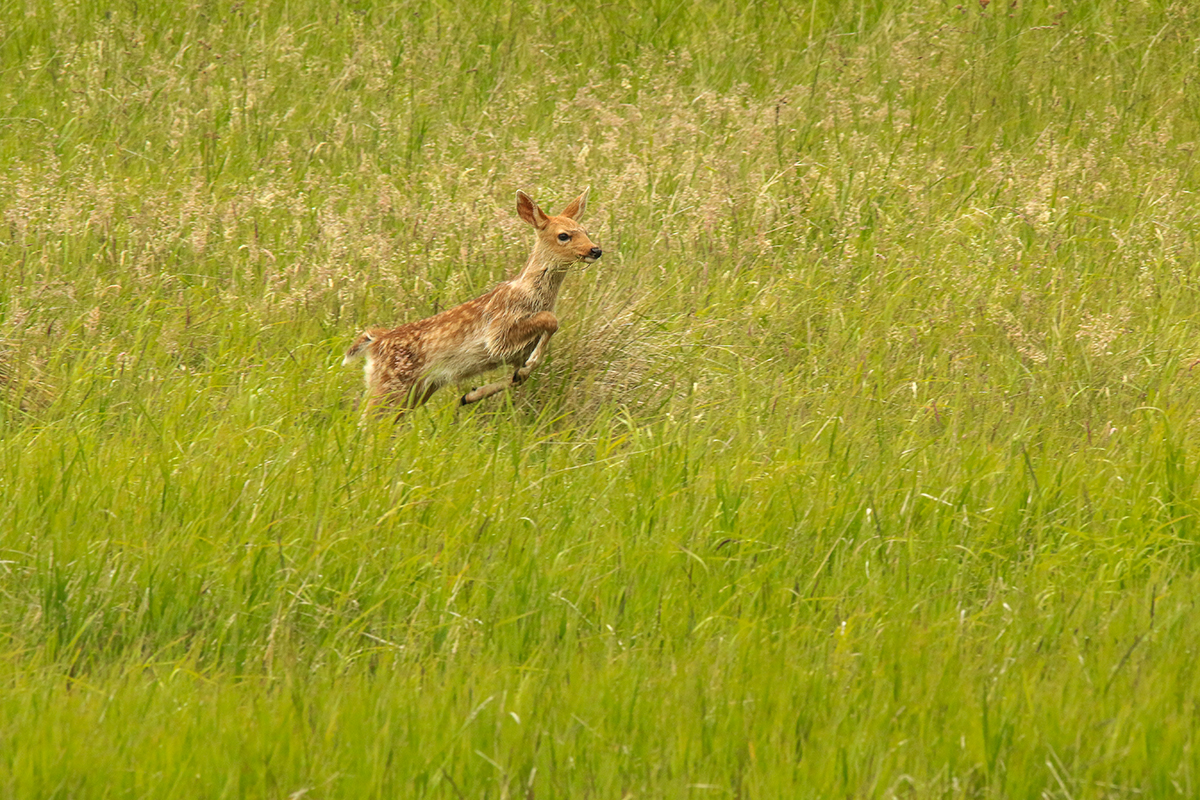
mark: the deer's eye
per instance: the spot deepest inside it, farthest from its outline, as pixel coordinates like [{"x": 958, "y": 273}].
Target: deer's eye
[{"x": 564, "y": 237}]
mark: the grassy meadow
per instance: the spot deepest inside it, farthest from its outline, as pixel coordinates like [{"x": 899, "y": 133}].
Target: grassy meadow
[{"x": 864, "y": 464}]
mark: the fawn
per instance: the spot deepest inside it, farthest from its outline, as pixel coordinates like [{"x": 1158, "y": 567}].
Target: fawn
[{"x": 510, "y": 325}]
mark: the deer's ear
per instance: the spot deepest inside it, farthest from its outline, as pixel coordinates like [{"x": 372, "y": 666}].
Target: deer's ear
[
  {"x": 529, "y": 211},
  {"x": 577, "y": 206}
]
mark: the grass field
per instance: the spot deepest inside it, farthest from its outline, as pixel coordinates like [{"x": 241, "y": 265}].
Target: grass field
[{"x": 864, "y": 463}]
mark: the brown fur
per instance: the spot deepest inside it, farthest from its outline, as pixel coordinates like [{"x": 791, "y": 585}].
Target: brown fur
[{"x": 508, "y": 326}]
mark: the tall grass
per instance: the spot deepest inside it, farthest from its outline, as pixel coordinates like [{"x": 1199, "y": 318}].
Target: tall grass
[{"x": 864, "y": 463}]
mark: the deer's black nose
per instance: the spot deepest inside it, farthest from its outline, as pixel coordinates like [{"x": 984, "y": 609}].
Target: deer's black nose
[{"x": 596, "y": 252}]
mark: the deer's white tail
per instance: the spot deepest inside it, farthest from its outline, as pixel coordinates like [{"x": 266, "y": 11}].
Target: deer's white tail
[{"x": 359, "y": 347}]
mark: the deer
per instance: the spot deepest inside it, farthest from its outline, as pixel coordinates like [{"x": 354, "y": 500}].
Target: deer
[{"x": 509, "y": 326}]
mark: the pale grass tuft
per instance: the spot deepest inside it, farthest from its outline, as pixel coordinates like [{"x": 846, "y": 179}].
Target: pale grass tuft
[
  {"x": 1025, "y": 343},
  {"x": 1097, "y": 332},
  {"x": 620, "y": 358},
  {"x": 24, "y": 385}
]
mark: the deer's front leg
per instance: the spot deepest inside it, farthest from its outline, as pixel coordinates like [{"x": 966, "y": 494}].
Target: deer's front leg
[
  {"x": 534, "y": 359},
  {"x": 537, "y": 327},
  {"x": 543, "y": 325}
]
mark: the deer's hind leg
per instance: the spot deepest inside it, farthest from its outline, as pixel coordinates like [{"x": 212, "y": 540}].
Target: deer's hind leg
[
  {"x": 402, "y": 387},
  {"x": 482, "y": 392},
  {"x": 412, "y": 396}
]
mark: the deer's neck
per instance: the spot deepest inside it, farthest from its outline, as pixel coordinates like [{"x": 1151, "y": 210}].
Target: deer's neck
[{"x": 540, "y": 281}]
